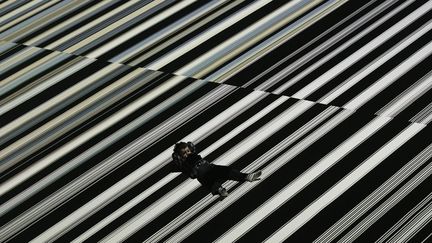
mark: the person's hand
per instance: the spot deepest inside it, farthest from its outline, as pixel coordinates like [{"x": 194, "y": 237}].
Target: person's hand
[{"x": 195, "y": 157}]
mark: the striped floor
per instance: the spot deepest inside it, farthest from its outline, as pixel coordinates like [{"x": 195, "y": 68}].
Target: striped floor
[{"x": 332, "y": 100}]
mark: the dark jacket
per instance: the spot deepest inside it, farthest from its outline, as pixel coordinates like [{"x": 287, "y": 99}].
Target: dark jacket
[{"x": 191, "y": 166}]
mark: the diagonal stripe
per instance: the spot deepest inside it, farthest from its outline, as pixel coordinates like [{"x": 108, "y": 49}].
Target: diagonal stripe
[
  {"x": 362, "y": 51},
  {"x": 304, "y": 179},
  {"x": 343, "y": 185}
]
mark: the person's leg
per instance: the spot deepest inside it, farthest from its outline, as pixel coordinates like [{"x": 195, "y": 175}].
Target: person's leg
[
  {"x": 228, "y": 173},
  {"x": 206, "y": 184},
  {"x": 214, "y": 177},
  {"x": 217, "y": 189},
  {"x": 209, "y": 178},
  {"x": 218, "y": 174},
  {"x": 206, "y": 178}
]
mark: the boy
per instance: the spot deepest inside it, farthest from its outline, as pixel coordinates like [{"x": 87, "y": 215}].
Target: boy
[{"x": 211, "y": 176}]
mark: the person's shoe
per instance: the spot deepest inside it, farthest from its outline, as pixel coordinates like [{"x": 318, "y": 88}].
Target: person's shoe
[
  {"x": 222, "y": 192},
  {"x": 253, "y": 176}
]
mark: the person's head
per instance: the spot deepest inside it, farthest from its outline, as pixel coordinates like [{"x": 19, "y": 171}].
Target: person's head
[{"x": 183, "y": 150}]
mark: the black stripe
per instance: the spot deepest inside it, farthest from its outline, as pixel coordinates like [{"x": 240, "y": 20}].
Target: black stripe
[
  {"x": 140, "y": 37},
  {"x": 262, "y": 40},
  {"x": 15, "y": 48},
  {"x": 417, "y": 106},
  {"x": 124, "y": 28},
  {"x": 254, "y": 74},
  {"x": 191, "y": 35},
  {"x": 330, "y": 177},
  {"x": 30, "y": 80},
  {"x": 363, "y": 62},
  {"x": 101, "y": 25},
  {"x": 23, "y": 63},
  {"x": 351, "y": 49},
  {"x": 57, "y": 20},
  {"x": 222, "y": 36},
  {"x": 44, "y": 96},
  {"x": 10, "y": 7},
  {"x": 397, "y": 212},
  {"x": 424, "y": 234},
  {"x": 77, "y": 24},
  {"x": 400, "y": 85},
  {"x": 107, "y": 181},
  {"x": 169, "y": 215},
  {"x": 94, "y": 120},
  {"x": 383, "y": 70},
  {"x": 355, "y": 194},
  {"x": 39, "y": 12},
  {"x": 152, "y": 30},
  {"x": 17, "y": 5},
  {"x": 297, "y": 42},
  {"x": 58, "y": 111},
  {"x": 259, "y": 194},
  {"x": 237, "y": 121}
]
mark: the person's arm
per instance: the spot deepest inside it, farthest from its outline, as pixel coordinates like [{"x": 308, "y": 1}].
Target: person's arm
[
  {"x": 174, "y": 167},
  {"x": 195, "y": 157}
]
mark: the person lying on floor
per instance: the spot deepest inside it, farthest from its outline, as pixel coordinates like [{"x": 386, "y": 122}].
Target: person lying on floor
[{"x": 211, "y": 176}]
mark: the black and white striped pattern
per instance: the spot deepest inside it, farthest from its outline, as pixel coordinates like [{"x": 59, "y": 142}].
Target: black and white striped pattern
[{"x": 331, "y": 99}]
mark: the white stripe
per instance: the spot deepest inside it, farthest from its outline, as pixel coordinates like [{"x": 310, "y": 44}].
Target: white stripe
[
  {"x": 316, "y": 51},
  {"x": 303, "y": 180},
  {"x": 66, "y": 117},
  {"x": 389, "y": 78},
  {"x": 6, "y": 3},
  {"x": 22, "y": 16},
  {"x": 339, "y": 49},
  {"x": 187, "y": 187},
  {"x": 374, "y": 199},
  {"x": 13, "y": 80},
  {"x": 50, "y": 158},
  {"x": 34, "y": 91},
  {"x": 427, "y": 239},
  {"x": 64, "y": 24},
  {"x": 135, "y": 176},
  {"x": 408, "y": 219},
  {"x": 324, "y": 78},
  {"x": 17, "y": 10},
  {"x": 4, "y": 46},
  {"x": 205, "y": 152},
  {"x": 30, "y": 72},
  {"x": 387, "y": 205},
  {"x": 370, "y": 68},
  {"x": 222, "y": 49},
  {"x": 274, "y": 41},
  {"x": 159, "y": 36},
  {"x": 204, "y": 202},
  {"x": 59, "y": 172},
  {"x": 64, "y": 194},
  {"x": 206, "y": 35},
  {"x": 16, "y": 59},
  {"x": 427, "y": 119},
  {"x": 86, "y": 27},
  {"x": 123, "y": 209},
  {"x": 419, "y": 224},
  {"x": 138, "y": 29},
  {"x": 244, "y": 125},
  {"x": 408, "y": 98},
  {"x": 267, "y": 171},
  {"x": 56, "y": 99},
  {"x": 343, "y": 185},
  {"x": 46, "y": 16}
]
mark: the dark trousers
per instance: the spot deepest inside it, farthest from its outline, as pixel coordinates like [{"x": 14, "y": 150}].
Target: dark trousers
[{"x": 212, "y": 176}]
